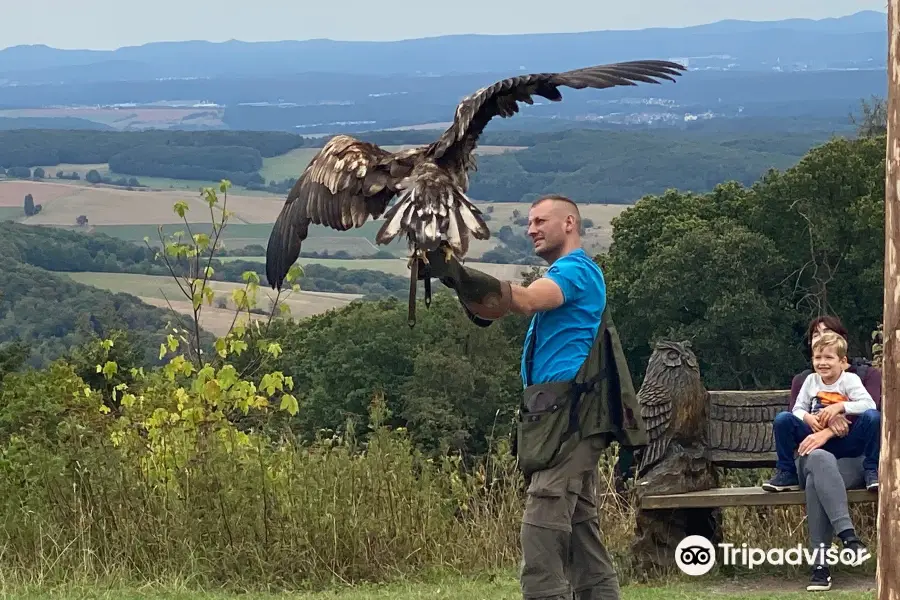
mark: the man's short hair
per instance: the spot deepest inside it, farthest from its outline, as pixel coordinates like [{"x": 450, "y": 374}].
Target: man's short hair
[
  {"x": 830, "y": 339},
  {"x": 561, "y": 198}
]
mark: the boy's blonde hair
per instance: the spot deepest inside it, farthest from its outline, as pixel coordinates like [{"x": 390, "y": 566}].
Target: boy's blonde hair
[{"x": 829, "y": 339}]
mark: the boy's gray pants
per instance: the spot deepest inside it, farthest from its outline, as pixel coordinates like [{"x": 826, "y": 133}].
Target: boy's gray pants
[{"x": 826, "y": 480}]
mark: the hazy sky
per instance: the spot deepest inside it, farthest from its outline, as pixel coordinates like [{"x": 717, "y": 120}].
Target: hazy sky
[{"x": 108, "y": 24}]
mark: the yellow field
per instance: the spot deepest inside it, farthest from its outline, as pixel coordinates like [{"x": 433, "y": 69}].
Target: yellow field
[
  {"x": 155, "y": 289},
  {"x": 62, "y": 203},
  {"x": 13, "y": 192}
]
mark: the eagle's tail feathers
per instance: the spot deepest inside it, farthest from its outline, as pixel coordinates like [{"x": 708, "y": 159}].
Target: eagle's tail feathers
[
  {"x": 427, "y": 212},
  {"x": 397, "y": 218},
  {"x": 471, "y": 216}
]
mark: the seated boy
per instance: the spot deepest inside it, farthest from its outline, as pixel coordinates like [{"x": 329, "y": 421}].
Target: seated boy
[{"x": 826, "y": 392}]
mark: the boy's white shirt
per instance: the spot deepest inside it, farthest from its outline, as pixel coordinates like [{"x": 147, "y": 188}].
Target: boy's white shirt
[{"x": 849, "y": 384}]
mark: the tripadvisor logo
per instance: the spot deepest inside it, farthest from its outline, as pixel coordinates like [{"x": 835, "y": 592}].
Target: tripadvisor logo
[{"x": 695, "y": 555}]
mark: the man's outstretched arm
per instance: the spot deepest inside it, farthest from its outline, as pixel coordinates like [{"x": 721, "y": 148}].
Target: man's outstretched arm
[
  {"x": 487, "y": 298},
  {"x": 542, "y": 295}
]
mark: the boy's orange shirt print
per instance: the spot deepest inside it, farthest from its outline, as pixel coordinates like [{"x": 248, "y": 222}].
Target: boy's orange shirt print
[{"x": 829, "y": 398}]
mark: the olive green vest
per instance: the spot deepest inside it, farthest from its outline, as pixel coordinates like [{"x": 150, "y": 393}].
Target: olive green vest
[
  {"x": 599, "y": 401},
  {"x": 610, "y": 403}
]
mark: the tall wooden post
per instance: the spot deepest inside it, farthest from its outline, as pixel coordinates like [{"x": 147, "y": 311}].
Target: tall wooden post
[{"x": 888, "y": 581}]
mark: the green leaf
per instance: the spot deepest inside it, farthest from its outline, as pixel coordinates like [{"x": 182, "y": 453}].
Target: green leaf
[
  {"x": 289, "y": 404},
  {"x": 227, "y": 376}
]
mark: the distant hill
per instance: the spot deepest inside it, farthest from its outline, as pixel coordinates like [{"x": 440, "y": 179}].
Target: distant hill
[
  {"x": 802, "y": 73},
  {"x": 854, "y": 41}
]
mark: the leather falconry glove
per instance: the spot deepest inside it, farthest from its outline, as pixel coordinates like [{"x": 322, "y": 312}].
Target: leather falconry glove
[{"x": 483, "y": 297}]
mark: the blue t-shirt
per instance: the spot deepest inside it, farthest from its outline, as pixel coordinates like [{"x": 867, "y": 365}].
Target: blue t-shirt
[{"x": 566, "y": 333}]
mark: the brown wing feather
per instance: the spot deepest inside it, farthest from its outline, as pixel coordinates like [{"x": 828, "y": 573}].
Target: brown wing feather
[
  {"x": 346, "y": 182},
  {"x": 502, "y": 98}
]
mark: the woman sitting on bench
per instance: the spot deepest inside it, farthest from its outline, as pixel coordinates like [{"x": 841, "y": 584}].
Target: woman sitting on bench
[{"x": 825, "y": 478}]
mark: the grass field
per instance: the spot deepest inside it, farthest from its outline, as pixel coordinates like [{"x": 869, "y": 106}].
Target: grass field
[
  {"x": 11, "y": 212},
  {"x": 134, "y": 214},
  {"x": 160, "y": 117},
  {"x": 356, "y": 242},
  {"x": 150, "y": 183},
  {"x": 275, "y": 168},
  {"x": 392, "y": 266},
  {"x": 154, "y": 289},
  {"x": 502, "y": 586}
]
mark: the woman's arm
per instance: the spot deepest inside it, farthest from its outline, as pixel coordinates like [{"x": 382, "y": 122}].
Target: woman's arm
[{"x": 872, "y": 383}]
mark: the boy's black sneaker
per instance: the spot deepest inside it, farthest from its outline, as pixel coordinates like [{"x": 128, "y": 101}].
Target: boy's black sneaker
[
  {"x": 872, "y": 480},
  {"x": 781, "y": 481},
  {"x": 861, "y": 553},
  {"x": 820, "y": 580}
]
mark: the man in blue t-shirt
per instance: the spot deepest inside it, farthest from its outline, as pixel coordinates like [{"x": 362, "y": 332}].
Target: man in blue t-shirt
[{"x": 560, "y": 527}]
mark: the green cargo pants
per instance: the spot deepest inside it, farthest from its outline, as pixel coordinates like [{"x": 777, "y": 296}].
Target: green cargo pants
[{"x": 561, "y": 548}]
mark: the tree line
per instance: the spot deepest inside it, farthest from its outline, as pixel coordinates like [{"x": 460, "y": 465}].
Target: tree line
[
  {"x": 239, "y": 164},
  {"x": 50, "y": 147}
]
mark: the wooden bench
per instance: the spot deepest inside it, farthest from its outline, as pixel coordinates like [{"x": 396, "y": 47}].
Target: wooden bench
[
  {"x": 694, "y": 434},
  {"x": 740, "y": 437},
  {"x": 740, "y": 496}
]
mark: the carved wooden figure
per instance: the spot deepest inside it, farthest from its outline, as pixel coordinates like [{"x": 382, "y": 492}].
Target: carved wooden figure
[{"x": 675, "y": 405}]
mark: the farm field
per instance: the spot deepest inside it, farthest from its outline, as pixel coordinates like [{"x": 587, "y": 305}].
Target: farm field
[
  {"x": 134, "y": 214},
  {"x": 62, "y": 203},
  {"x": 155, "y": 289},
  {"x": 392, "y": 266},
  {"x": 151, "y": 183}
]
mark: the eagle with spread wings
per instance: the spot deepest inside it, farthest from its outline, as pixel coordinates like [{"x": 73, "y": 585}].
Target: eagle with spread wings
[{"x": 350, "y": 181}]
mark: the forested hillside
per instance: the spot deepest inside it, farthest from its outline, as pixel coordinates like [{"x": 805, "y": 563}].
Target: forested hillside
[
  {"x": 51, "y": 313},
  {"x": 601, "y": 166},
  {"x": 621, "y": 167}
]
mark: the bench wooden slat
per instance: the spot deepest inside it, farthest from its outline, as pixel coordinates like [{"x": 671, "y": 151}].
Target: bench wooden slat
[{"x": 741, "y": 496}]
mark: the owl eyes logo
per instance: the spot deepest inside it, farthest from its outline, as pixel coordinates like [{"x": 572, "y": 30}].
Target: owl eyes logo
[{"x": 695, "y": 555}]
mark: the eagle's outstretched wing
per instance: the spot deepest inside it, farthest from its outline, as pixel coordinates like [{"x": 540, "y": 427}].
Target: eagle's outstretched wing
[
  {"x": 346, "y": 182},
  {"x": 501, "y": 98}
]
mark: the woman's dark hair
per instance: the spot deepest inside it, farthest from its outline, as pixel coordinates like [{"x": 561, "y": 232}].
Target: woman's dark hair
[{"x": 831, "y": 322}]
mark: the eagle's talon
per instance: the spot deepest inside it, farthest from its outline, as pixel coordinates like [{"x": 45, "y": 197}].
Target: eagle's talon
[
  {"x": 448, "y": 253},
  {"x": 415, "y": 257}
]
